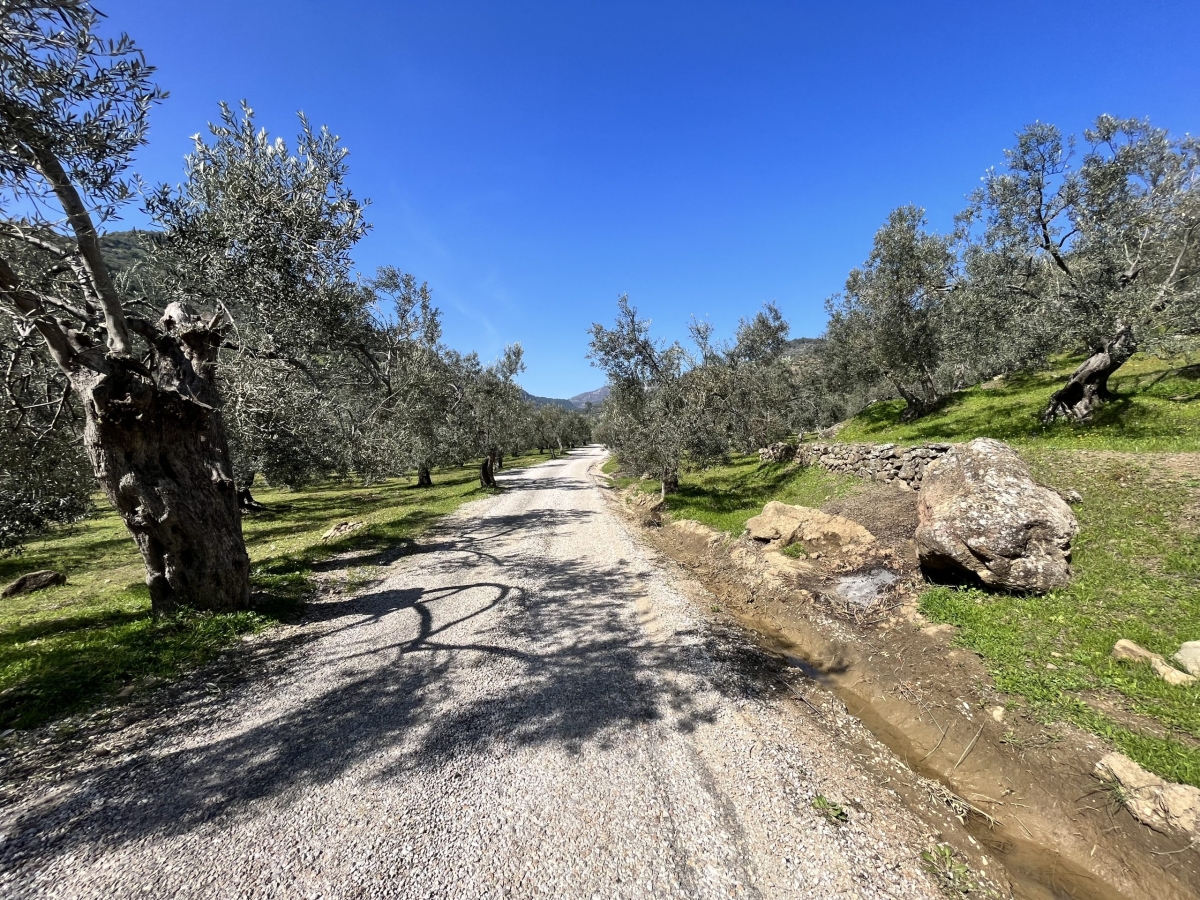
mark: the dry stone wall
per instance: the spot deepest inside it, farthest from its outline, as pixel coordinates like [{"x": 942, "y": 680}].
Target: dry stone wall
[{"x": 886, "y": 463}]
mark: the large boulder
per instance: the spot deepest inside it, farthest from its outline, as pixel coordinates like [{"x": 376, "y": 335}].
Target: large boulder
[
  {"x": 981, "y": 513},
  {"x": 820, "y": 531}
]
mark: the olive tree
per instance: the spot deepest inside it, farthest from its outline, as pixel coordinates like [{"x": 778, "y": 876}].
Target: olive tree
[
  {"x": 419, "y": 398},
  {"x": 1100, "y": 252},
  {"x": 757, "y": 401},
  {"x": 257, "y": 238},
  {"x": 45, "y": 478},
  {"x": 647, "y": 417},
  {"x": 887, "y": 324},
  {"x": 72, "y": 111}
]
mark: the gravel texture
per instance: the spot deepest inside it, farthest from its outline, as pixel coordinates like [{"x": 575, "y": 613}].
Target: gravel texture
[{"x": 527, "y": 706}]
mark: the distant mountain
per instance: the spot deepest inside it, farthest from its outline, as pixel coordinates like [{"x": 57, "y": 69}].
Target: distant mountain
[
  {"x": 546, "y": 401},
  {"x": 123, "y": 249},
  {"x": 598, "y": 396},
  {"x": 803, "y": 346}
]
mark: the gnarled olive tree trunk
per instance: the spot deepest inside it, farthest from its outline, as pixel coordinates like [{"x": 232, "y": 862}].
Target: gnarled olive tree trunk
[
  {"x": 157, "y": 443},
  {"x": 1087, "y": 388},
  {"x": 424, "y": 476},
  {"x": 487, "y": 476}
]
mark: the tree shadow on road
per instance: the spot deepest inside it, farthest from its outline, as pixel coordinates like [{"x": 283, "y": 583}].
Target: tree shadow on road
[{"x": 527, "y": 654}]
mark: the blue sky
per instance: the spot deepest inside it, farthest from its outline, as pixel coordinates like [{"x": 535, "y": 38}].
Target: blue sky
[{"x": 531, "y": 161}]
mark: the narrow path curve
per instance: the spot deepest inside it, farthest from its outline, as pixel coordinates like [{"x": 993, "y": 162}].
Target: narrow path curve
[{"x": 528, "y": 706}]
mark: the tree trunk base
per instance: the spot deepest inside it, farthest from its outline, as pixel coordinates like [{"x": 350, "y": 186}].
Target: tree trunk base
[
  {"x": 424, "y": 477},
  {"x": 246, "y": 501},
  {"x": 487, "y": 478},
  {"x": 162, "y": 458},
  {"x": 1087, "y": 388}
]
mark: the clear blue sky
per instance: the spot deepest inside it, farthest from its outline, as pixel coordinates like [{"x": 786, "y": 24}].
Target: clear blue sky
[{"x": 531, "y": 161}]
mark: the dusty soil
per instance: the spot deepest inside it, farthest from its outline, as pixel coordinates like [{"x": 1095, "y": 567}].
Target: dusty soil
[{"x": 996, "y": 781}]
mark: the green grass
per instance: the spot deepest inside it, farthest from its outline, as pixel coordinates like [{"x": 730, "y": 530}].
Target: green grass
[
  {"x": 1158, "y": 408},
  {"x": 65, "y": 647},
  {"x": 1137, "y": 576},
  {"x": 724, "y": 497}
]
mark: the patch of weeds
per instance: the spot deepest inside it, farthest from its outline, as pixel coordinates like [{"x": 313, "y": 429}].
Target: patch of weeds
[
  {"x": 795, "y": 551},
  {"x": 834, "y": 813},
  {"x": 951, "y": 875},
  {"x": 1116, "y": 797}
]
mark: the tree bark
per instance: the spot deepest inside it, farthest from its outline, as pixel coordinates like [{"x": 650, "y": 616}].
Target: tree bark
[
  {"x": 917, "y": 405},
  {"x": 670, "y": 480},
  {"x": 424, "y": 476},
  {"x": 157, "y": 444},
  {"x": 1087, "y": 388},
  {"x": 486, "y": 477}
]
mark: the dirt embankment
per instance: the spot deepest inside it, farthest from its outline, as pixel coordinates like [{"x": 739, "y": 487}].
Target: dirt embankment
[{"x": 1000, "y": 784}]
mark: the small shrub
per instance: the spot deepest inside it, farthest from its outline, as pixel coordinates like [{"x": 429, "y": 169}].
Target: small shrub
[
  {"x": 952, "y": 876},
  {"x": 834, "y": 813}
]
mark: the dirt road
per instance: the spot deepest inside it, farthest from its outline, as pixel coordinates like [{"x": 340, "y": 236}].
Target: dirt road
[{"x": 527, "y": 705}]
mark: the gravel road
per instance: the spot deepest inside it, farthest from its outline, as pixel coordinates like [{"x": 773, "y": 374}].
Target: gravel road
[{"x": 529, "y": 705}]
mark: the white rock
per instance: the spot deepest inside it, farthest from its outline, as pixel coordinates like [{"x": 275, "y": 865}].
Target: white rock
[
  {"x": 1189, "y": 657},
  {"x": 1164, "y": 806}
]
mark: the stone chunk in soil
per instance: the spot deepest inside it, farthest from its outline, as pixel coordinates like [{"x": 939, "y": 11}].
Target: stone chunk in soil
[
  {"x": 1128, "y": 651},
  {"x": 648, "y": 508},
  {"x": 981, "y": 514},
  {"x": 862, "y": 589},
  {"x": 817, "y": 530},
  {"x": 1189, "y": 657},
  {"x": 1168, "y": 808},
  {"x": 34, "y": 581},
  {"x": 340, "y": 530}
]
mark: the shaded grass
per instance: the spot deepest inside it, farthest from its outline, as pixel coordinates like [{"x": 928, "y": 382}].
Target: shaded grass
[
  {"x": 1137, "y": 576},
  {"x": 1158, "y": 408},
  {"x": 65, "y": 647},
  {"x": 725, "y": 496}
]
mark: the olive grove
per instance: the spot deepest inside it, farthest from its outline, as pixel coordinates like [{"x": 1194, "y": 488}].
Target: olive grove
[
  {"x": 239, "y": 343},
  {"x": 1091, "y": 252}
]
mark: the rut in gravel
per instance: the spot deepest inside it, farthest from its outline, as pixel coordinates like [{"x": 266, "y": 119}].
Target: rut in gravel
[{"x": 526, "y": 704}]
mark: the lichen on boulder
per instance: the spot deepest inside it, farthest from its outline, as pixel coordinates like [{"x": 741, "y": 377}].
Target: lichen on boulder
[{"x": 980, "y": 513}]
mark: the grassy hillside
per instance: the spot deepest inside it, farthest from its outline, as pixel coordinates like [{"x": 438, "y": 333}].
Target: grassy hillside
[
  {"x": 94, "y": 636},
  {"x": 1136, "y": 560},
  {"x": 1158, "y": 409},
  {"x": 724, "y": 497}
]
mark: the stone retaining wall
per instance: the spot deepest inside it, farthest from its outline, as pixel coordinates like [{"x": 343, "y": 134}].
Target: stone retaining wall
[{"x": 885, "y": 463}]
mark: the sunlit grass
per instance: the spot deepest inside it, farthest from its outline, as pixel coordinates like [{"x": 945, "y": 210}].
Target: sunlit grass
[
  {"x": 67, "y": 646},
  {"x": 724, "y": 497},
  {"x": 1136, "y": 575},
  {"x": 1158, "y": 408}
]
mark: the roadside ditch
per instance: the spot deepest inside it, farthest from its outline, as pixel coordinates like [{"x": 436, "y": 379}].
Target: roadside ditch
[{"x": 996, "y": 781}]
